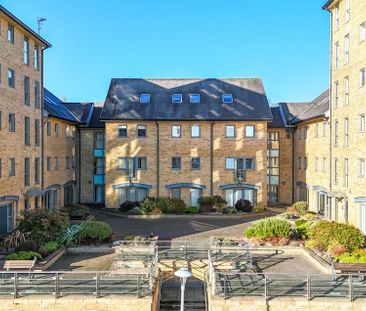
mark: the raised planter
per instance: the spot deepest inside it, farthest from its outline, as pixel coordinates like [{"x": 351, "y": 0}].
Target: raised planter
[{"x": 50, "y": 259}]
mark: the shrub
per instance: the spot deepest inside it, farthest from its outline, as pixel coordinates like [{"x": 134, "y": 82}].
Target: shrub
[
  {"x": 357, "y": 256},
  {"x": 126, "y": 206},
  {"x": 48, "y": 248},
  {"x": 95, "y": 231},
  {"x": 229, "y": 210},
  {"x": 310, "y": 216},
  {"x": 23, "y": 255},
  {"x": 70, "y": 235},
  {"x": 150, "y": 205},
  {"x": 300, "y": 222},
  {"x": 301, "y": 208},
  {"x": 15, "y": 239},
  {"x": 43, "y": 225},
  {"x": 136, "y": 211},
  {"x": 28, "y": 245},
  {"x": 325, "y": 233},
  {"x": 177, "y": 206},
  {"x": 207, "y": 200},
  {"x": 269, "y": 228},
  {"x": 244, "y": 206},
  {"x": 191, "y": 210},
  {"x": 162, "y": 204},
  {"x": 77, "y": 213},
  {"x": 302, "y": 229}
]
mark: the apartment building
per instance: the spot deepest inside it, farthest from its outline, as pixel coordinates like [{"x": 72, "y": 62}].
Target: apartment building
[
  {"x": 347, "y": 110},
  {"x": 21, "y": 84}
]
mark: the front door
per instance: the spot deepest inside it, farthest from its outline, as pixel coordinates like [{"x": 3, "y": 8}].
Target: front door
[
  {"x": 6, "y": 218},
  {"x": 195, "y": 194}
]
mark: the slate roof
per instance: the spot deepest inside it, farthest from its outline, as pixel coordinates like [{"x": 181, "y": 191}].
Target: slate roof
[
  {"x": 55, "y": 107},
  {"x": 278, "y": 118},
  {"x": 292, "y": 110},
  {"x": 27, "y": 28},
  {"x": 95, "y": 118},
  {"x": 250, "y": 100},
  {"x": 81, "y": 110}
]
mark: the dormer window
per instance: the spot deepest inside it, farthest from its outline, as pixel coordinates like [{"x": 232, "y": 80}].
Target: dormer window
[
  {"x": 145, "y": 98},
  {"x": 195, "y": 98},
  {"x": 177, "y": 98},
  {"x": 227, "y": 98}
]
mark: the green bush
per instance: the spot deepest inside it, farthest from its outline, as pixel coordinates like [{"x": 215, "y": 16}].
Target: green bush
[
  {"x": 150, "y": 205},
  {"x": 301, "y": 207},
  {"x": 69, "y": 236},
  {"x": 77, "y": 213},
  {"x": 136, "y": 211},
  {"x": 162, "y": 204},
  {"x": 269, "y": 228},
  {"x": 176, "y": 206},
  {"x": 357, "y": 256},
  {"x": 43, "y": 225},
  {"x": 302, "y": 229},
  {"x": 327, "y": 233},
  {"x": 207, "y": 200},
  {"x": 310, "y": 216},
  {"x": 24, "y": 255},
  {"x": 300, "y": 222},
  {"x": 51, "y": 246},
  {"x": 95, "y": 231},
  {"x": 191, "y": 210},
  {"x": 229, "y": 210}
]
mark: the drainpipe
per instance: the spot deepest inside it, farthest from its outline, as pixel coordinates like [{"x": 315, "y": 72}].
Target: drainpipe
[
  {"x": 157, "y": 159},
  {"x": 330, "y": 107},
  {"x": 291, "y": 129},
  {"x": 211, "y": 158},
  {"x": 79, "y": 161},
  {"x": 42, "y": 133}
]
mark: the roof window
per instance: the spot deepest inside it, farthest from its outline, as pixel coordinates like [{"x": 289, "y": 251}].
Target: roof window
[
  {"x": 227, "y": 98},
  {"x": 145, "y": 98},
  {"x": 177, "y": 98},
  {"x": 195, "y": 98}
]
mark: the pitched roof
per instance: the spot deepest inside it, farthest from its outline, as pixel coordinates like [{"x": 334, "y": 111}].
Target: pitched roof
[
  {"x": 293, "y": 110},
  {"x": 278, "y": 118},
  {"x": 81, "y": 110},
  {"x": 249, "y": 100},
  {"x": 95, "y": 118},
  {"x": 55, "y": 107},
  {"x": 27, "y": 28}
]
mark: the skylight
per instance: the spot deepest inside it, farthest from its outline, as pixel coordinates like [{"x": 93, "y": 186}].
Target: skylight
[
  {"x": 177, "y": 98},
  {"x": 227, "y": 98},
  {"x": 195, "y": 98},
  {"x": 145, "y": 98}
]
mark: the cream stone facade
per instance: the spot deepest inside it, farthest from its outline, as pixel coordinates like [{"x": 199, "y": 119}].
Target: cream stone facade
[{"x": 348, "y": 96}]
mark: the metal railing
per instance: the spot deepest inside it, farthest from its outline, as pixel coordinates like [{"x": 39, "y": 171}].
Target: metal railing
[
  {"x": 271, "y": 285},
  {"x": 63, "y": 283}
]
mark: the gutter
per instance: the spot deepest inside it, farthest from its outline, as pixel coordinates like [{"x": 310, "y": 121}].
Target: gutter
[{"x": 331, "y": 107}]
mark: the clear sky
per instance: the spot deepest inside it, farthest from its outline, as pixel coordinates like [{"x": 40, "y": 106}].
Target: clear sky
[{"x": 284, "y": 42}]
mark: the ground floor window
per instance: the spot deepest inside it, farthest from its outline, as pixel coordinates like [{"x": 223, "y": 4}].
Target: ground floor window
[
  {"x": 234, "y": 195},
  {"x": 303, "y": 193},
  {"x": 132, "y": 194},
  {"x": 68, "y": 195},
  {"x": 6, "y": 218},
  {"x": 37, "y": 202},
  {"x": 336, "y": 207},
  {"x": 273, "y": 194},
  {"x": 195, "y": 194},
  {"x": 26, "y": 205},
  {"x": 363, "y": 218},
  {"x": 346, "y": 211},
  {"x": 176, "y": 193},
  {"x": 51, "y": 199},
  {"x": 99, "y": 193},
  {"x": 321, "y": 202}
]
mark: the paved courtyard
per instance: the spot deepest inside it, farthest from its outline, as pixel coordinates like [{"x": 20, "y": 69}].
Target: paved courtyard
[{"x": 181, "y": 227}]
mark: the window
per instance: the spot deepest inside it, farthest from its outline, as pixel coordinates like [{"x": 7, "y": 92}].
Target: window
[
  {"x": 249, "y": 131},
  {"x": 27, "y": 131},
  {"x": 346, "y": 172},
  {"x": 346, "y": 49},
  {"x": 175, "y": 193},
  {"x": 336, "y": 16},
  {"x": 26, "y": 172},
  {"x": 317, "y": 130},
  {"x": 11, "y": 33},
  {"x": 362, "y": 77},
  {"x": 299, "y": 163},
  {"x": 49, "y": 164},
  {"x": 363, "y": 31},
  {"x": 336, "y": 55},
  {"x": 36, "y": 170},
  {"x": 196, "y": 163},
  {"x": 141, "y": 131},
  {"x": 36, "y": 57},
  {"x": 336, "y": 133},
  {"x": 122, "y": 131},
  {"x": 346, "y": 90},
  {"x": 227, "y": 98},
  {"x": 195, "y": 98},
  {"x": 230, "y": 131},
  {"x": 11, "y": 167},
  {"x": 362, "y": 123},
  {"x": 36, "y": 94},
  {"x": 56, "y": 163},
  {"x": 239, "y": 163},
  {"x": 324, "y": 164},
  {"x": 177, "y": 98},
  {"x": 26, "y": 50},
  {"x": 316, "y": 163},
  {"x": 99, "y": 194},
  {"x": 249, "y": 164},
  {"x": 141, "y": 163},
  {"x": 11, "y": 122},
  {"x": 305, "y": 132},
  {"x": 305, "y": 163},
  {"x": 336, "y": 97},
  {"x": 132, "y": 164},
  {"x": 26, "y": 91},
  {"x": 99, "y": 166},
  {"x": 346, "y": 130},
  {"x": 176, "y": 163},
  {"x": 176, "y": 131},
  {"x": 324, "y": 129},
  {"x": 348, "y": 10},
  {"x": 56, "y": 129},
  {"x": 298, "y": 133},
  {"x": 36, "y": 202},
  {"x": 195, "y": 131},
  {"x": 11, "y": 78},
  {"x": 230, "y": 163},
  {"x": 48, "y": 128},
  {"x": 36, "y": 131},
  {"x": 335, "y": 171},
  {"x": 362, "y": 168},
  {"x": 145, "y": 98},
  {"x": 99, "y": 141}
]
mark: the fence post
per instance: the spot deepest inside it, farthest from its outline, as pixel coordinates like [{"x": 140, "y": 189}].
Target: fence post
[
  {"x": 265, "y": 287},
  {"x": 350, "y": 287},
  {"x": 56, "y": 285},
  {"x": 97, "y": 279},
  {"x": 308, "y": 287},
  {"x": 15, "y": 285}
]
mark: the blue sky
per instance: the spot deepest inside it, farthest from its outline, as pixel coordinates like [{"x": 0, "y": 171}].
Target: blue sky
[{"x": 285, "y": 42}]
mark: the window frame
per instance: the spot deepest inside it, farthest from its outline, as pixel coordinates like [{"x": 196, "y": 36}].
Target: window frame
[
  {"x": 26, "y": 50},
  {"x": 362, "y": 77},
  {"x": 199, "y": 130},
  {"x": 145, "y": 98},
  {"x": 179, "y": 161},
  {"x": 227, "y": 98},
  {"x": 362, "y": 124},
  {"x": 177, "y": 98},
  {"x": 199, "y": 163},
  {"x": 12, "y": 122},
  {"x": 194, "y": 98},
  {"x": 11, "y": 78},
  {"x": 12, "y": 167},
  {"x": 11, "y": 34},
  {"x": 141, "y": 127},
  {"x": 172, "y": 132},
  {"x": 124, "y": 127},
  {"x": 226, "y": 131},
  {"x": 245, "y": 131}
]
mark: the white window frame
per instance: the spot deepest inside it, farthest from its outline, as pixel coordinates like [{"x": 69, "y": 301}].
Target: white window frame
[
  {"x": 247, "y": 127},
  {"x": 195, "y": 131},
  {"x": 348, "y": 10},
  {"x": 194, "y": 98},
  {"x": 363, "y": 32},
  {"x": 178, "y": 133},
  {"x": 177, "y": 98},
  {"x": 346, "y": 90},
  {"x": 362, "y": 77},
  {"x": 122, "y": 127},
  {"x": 362, "y": 123},
  {"x": 227, "y": 98},
  {"x": 361, "y": 172},
  {"x": 336, "y": 55},
  {"x": 346, "y": 48}
]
